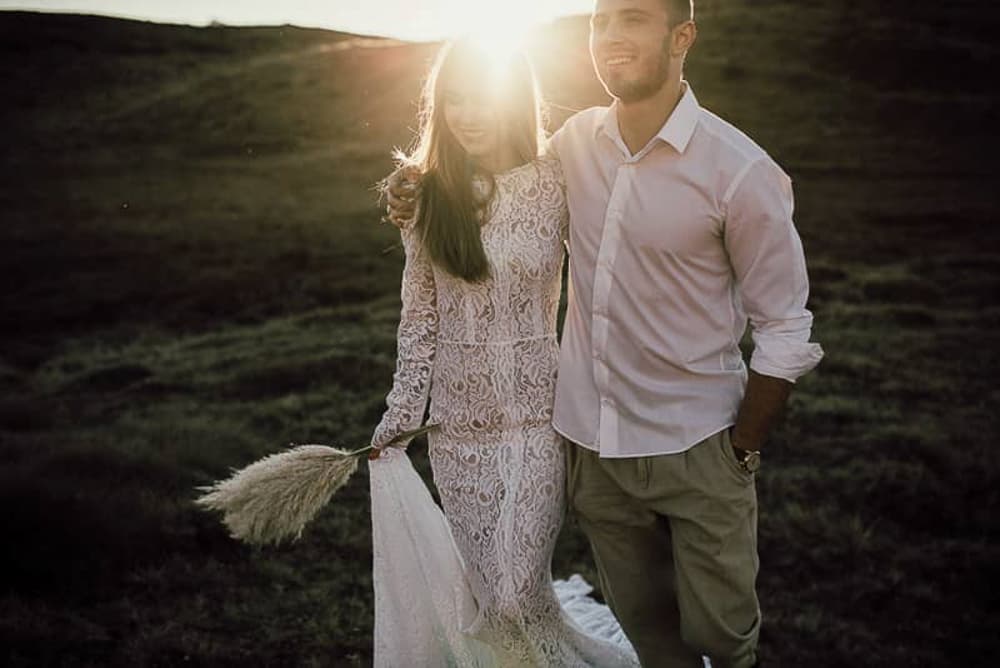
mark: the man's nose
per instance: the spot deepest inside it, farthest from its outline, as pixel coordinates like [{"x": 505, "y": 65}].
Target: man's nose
[{"x": 613, "y": 33}]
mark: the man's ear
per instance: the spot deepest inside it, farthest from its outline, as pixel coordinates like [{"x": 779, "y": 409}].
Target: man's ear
[{"x": 682, "y": 38}]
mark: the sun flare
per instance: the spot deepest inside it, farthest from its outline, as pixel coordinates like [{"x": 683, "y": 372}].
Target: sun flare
[
  {"x": 499, "y": 26},
  {"x": 499, "y": 29},
  {"x": 500, "y": 38}
]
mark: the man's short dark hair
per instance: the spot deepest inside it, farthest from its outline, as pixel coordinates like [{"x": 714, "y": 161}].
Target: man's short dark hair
[{"x": 679, "y": 11}]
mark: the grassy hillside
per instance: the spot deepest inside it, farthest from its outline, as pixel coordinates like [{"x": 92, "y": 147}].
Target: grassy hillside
[{"x": 194, "y": 277}]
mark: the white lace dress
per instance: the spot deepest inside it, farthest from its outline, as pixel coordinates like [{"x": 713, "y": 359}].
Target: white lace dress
[{"x": 487, "y": 355}]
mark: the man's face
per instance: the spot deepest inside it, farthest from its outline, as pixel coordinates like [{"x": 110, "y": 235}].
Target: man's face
[{"x": 629, "y": 41}]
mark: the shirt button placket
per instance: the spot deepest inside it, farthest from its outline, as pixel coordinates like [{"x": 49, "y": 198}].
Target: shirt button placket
[{"x": 603, "y": 284}]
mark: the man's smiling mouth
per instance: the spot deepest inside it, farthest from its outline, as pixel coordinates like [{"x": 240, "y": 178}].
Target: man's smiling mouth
[{"x": 617, "y": 61}]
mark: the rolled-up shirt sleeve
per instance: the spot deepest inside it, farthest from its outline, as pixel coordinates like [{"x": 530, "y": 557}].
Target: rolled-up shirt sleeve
[{"x": 770, "y": 270}]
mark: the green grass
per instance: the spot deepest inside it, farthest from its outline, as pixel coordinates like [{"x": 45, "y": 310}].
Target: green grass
[{"x": 194, "y": 278}]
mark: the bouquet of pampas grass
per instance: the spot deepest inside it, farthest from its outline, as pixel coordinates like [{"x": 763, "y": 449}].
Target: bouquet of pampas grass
[{"x": 274, "y": 498}]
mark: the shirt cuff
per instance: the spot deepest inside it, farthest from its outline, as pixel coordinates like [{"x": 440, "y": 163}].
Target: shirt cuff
[{"x": 788, "y": 360}]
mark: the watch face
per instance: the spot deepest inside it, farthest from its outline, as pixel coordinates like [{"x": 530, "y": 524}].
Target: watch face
[{"x": 752, "y": 462}]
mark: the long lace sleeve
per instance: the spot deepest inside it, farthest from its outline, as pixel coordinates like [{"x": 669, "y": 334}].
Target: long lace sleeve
[{"x": 416, "y": 343}]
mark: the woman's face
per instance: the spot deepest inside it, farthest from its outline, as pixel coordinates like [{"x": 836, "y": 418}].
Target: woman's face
[{"x": 471, "y": 117}]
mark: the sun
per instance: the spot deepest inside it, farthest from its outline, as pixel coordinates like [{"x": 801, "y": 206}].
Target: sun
[
  {"x": 501, "y": 27},
  {"x": 500, "y": 40},
  {"x": 499, "y": 33}
]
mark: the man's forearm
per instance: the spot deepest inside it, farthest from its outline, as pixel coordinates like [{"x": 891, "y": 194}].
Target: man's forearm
[{"x": 762, "y": 406}]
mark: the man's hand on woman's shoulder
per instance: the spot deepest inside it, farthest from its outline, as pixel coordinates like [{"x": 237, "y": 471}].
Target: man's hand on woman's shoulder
[{"x": 401, "y": 191}]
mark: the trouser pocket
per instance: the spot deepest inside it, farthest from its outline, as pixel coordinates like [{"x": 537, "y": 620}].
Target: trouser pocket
[{"x": 729, "y": 456}]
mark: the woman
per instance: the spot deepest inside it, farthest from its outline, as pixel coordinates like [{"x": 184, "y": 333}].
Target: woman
[{"x": 477, "y": 333}]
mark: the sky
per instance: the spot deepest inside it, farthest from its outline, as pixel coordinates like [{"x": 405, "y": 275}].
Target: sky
[{"x": 404, "y": 19}]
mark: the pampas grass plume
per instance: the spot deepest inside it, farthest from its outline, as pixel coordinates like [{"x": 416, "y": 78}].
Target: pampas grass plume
[{"x": 274, "y": 498}]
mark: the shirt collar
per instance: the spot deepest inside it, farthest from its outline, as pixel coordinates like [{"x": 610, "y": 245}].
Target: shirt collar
[{"x": 678, "y": 129}]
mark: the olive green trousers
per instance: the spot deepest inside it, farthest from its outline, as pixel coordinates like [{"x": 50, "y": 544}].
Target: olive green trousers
[{"x": 675, "y": 542}]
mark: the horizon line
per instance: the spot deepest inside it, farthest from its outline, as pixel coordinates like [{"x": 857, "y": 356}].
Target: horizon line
[{"x": 214, "y": 23}]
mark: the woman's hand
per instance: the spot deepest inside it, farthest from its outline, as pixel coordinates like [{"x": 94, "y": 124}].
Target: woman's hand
[{"x": 400, "y": 440}]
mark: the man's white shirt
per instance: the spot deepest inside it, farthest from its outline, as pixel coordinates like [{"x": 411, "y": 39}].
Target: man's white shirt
[{"x": 672, "y": 250}]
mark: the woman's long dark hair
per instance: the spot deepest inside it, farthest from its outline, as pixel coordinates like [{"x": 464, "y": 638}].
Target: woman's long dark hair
[{"x": 449, "y": 212}]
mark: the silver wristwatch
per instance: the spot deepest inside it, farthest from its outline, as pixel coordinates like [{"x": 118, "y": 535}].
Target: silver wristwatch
[{"x": 749, "y": 459}]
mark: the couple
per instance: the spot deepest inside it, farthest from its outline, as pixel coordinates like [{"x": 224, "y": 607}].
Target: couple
[{"x": 680, "y": 231}]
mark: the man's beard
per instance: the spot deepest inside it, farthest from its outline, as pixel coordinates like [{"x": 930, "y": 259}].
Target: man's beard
[{"x": 646, "y": 87}]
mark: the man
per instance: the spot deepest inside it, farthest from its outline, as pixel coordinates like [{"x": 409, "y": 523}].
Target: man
[{"x": 680, "y": 229}]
